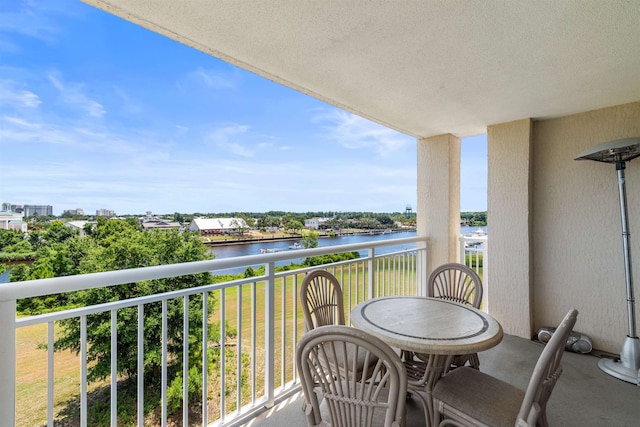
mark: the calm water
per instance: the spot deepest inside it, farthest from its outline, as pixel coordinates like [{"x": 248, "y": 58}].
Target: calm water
[{"x": 283, "y": 246}]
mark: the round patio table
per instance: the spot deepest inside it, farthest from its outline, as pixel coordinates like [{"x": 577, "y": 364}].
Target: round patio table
[{"x": 433, "y": 327}]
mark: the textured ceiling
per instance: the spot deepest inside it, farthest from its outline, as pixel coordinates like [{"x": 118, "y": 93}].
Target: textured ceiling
[{"x": 421, "y": 67}]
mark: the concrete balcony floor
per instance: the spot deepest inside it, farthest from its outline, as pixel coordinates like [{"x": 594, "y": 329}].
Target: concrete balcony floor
[{"x": 584, "y": 395}]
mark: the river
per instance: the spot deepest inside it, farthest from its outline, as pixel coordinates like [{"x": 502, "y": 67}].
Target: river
[{"x": 229, "y": 251}]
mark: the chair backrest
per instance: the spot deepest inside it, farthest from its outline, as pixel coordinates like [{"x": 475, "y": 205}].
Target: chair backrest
[
  {"x": 352, "y": 399},
  {"x": 322, "y": 300},
  {"x": 455, "y": 282},
  {"x": 545, "y": 374}
]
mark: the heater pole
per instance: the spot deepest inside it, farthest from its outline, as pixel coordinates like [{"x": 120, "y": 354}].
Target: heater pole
[
  {"x": 620, "y": 166},
  {"x": 620, "y": 151}
]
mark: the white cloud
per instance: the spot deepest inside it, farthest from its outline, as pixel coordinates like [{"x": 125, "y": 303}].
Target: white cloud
[
  {"x": 181, "y": 130},
  {"x": 148, "y": 154},
  {"x": 227, "y": 137},
  {"x": 9, "y": 94},
  {"x": 354, "y": 132},
  {"x": 74, "y": 95},
  {"x": 211, "y": 79},
  {"x": 20, "y": 123},
  {"x": 37, "y": 19}
]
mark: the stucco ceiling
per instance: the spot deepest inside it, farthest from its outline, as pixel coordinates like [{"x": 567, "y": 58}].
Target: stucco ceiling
[{"x": 421, "y": 67}]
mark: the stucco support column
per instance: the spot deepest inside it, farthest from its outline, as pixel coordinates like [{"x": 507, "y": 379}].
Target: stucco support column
[
  {"x": 439, "y": 198},
  {"x": 509, "y": 196}
]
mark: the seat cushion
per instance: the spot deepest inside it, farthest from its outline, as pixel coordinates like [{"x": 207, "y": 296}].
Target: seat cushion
[{"x": 480, "y": 396}]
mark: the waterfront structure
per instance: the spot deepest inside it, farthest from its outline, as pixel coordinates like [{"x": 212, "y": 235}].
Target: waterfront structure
[
  {"x": 207, "y": 226},
  {"x": 160, "y": 224}
]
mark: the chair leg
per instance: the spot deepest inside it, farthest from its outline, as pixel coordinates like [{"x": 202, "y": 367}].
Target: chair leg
[
  {"x": 475, "y": 361},
  {"x": 423, "y": 402}
]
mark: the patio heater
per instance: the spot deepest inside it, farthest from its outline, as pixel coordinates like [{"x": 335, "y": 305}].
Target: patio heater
[{"x": 620, "y": 151}]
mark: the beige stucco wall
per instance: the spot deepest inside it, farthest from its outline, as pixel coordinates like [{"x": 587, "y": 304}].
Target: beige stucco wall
[
  {"x": 554, "y": 222},
  {"x": 577, "y": 243},
  {"x": 439, "y": 197},
  {"x": 509, "y": 219}
]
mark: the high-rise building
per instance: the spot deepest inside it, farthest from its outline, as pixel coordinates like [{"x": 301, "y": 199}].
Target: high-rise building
[
  {"x": 105, "y": 212},
  {"x": 40, "y": 210},
  {"x": 77, "y": 212}
]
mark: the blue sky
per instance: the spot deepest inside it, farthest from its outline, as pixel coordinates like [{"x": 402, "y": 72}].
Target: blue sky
[{"x": 96, "y": 112}]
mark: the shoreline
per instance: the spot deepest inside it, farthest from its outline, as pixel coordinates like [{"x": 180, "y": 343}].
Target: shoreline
[{"x": 300, "y": 236}]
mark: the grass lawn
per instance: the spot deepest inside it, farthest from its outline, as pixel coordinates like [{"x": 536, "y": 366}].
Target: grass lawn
[
  {"x": 32, "y": 361},
  {"x": 31, "y": 372}
]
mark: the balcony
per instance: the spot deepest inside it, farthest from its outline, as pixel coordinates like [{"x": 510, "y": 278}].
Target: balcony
[
  {"x": 246, "y": 342},
  {"x": 265, "y": 326},
  {"x": 584, "y": 396}
]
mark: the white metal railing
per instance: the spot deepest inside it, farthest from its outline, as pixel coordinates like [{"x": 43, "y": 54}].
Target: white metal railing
[
  {"x": 473, "y": 253},
  {"x": 256, "y": 364}
]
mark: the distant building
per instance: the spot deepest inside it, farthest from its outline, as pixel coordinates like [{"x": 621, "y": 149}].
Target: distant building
[
  {"x": 161, "y": 224},
  {"x": 78, "y": 225},
  {"x": 217, "y": 225},
  {"x": 10, "y": 220},
  {"x": 74, "y": 212},
  {"x": 39, "y": 210},
  {"x": 105, "y": 212},
  {"x": 314, "y": 223}
]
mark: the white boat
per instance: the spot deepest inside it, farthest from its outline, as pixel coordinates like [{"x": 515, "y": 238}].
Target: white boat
[
  {"x": 478, "y": 233},
  {"x": 269, "y": 250},
  {"x": 296, "y": 245}
]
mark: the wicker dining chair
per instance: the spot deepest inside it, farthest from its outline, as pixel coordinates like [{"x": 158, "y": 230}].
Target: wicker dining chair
[
  {"x": 458, "y": 283},
  {"x": 452, "y": 282},
  {"x": 322, "y": 300},
  {"x": 467, "y": 397},
  {"x": 350, "y": 399},
  {"x": 323, "y": 304}
]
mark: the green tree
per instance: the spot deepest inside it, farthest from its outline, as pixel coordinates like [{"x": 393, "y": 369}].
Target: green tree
[
  {"x": 310, "y": 240},
  {"x": 268, "y": 221},
  {"x": 19, "y": 273},
  {"x": 240, "y": 226},
  {"x": 293, "y": 225},
  {"x": 117, "y": 245},
  {"x": 9, "y": 237},
  {"x": 58, "y": 232},
  {"x": 21, "y": 246}
]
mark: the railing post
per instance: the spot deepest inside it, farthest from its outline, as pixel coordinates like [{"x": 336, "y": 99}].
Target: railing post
[
  {"x": 8, "y": 362},
  {"x": 269, "y": 334},
  {"x": 421, "y": 261},
  {"x": 370, "y": 278},
  {"x": 485, "y": 274}
]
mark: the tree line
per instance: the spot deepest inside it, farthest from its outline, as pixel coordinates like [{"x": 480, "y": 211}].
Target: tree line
[{"x": 121, "y": 244}]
